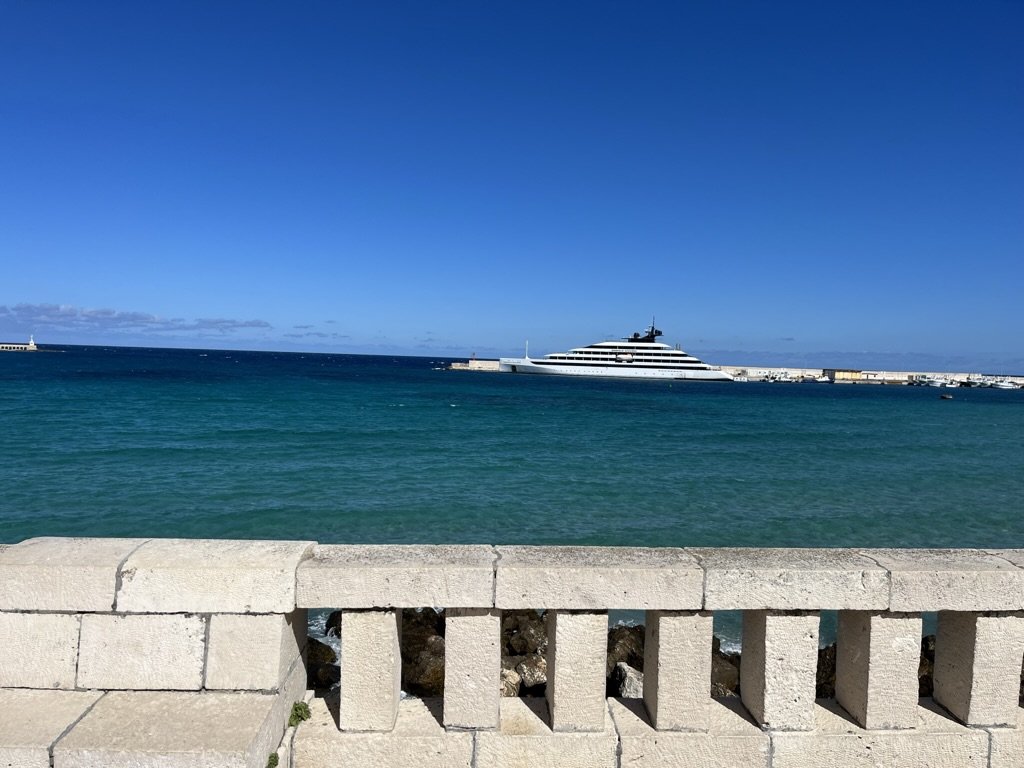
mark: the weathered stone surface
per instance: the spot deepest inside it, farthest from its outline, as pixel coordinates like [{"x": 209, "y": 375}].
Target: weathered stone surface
[
  {"x": 532, "y": 671},
  {"x": 525, "y": 739},
  {"x": 403, "y": 576},
  {"x": 165, "y": 729},
  {"x": 777, "y": 673},
  {"x": 935, "y": 742},
  {"x": 1007, "y": 745},
  {"x": 371, "y": 671},
  {"x": 977, "y": 666},
  {"x": 510, "y": 679},
  {"x": 877, "y": 660},
  {"x": 677, "y": 669},
  {"x": 951, "y": 580},
  {"x": 253, "y": 652},
  {"x": 733, "y": 740},
  {"x": 791, "y": 579},
  {"x": 57, "y": 574},
  {"x": 417, "y": 740},
  {"x": 31, "y": 721},
  {"x": 142, "y": 652},
  {"x": 211, "y": 576},
  {"x": 577, "y": 645},
  {"x": 597, "y": 578},
  {"x": 627, "y": 681},
  {"x": 471, "y": 667},
  {"x": 38, "y": 650}
]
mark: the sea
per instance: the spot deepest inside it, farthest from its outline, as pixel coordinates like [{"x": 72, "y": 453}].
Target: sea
[{"x": 115, "y": 441}]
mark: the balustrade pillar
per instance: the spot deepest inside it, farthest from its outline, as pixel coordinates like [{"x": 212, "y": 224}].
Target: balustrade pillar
[
  {"x": 877, "y": 656},
  {"x": 576, "y": 656},
  {"x": 472, "y": 667},
  {"x": 677, "y": 669},
  {"x": 978, "y": 660},
  {"x": 778, "y": 668},
  {"x": 371, "y": 670}
]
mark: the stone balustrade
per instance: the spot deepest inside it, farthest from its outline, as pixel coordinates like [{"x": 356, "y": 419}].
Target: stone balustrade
[{"x": 135, "y": 653}]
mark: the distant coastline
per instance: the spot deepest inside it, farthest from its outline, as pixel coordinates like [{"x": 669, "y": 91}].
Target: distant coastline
[{"x": 789, "y": 375}]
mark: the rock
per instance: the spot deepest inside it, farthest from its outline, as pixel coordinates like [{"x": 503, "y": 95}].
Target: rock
[
  {"x": 422, "y": 652},
  {"x": 510, "y": 681},
  {"x": 322, "y": 669},
  {"x": 524, "y": 632},
  {"x": 628, "y": 682},
  {"x": 533, "y": 670},
  {"x": 725, "y": 674},
  {"x": 826, "y": 678},
  {"x": 925, "y": 687},
  {"x": 625, "y": 644},
  {"x": 333, "y": 625}
]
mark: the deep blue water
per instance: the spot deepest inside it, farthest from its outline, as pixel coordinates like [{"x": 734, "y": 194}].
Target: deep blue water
[{"x": 340, "y": 448}]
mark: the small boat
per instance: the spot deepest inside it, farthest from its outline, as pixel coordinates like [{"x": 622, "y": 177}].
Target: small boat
[{"x": 945, "y": 396}]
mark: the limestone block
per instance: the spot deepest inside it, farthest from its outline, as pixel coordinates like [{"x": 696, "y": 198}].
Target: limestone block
[
  {"x": 732, "y": 739},
  {"x": 951, "y": 580},
  {"x": 31, "y": 721},
  {"x": 472, "y": 667},
  {"x": 791, "y": 579},
  {"x": 253, "y": 652},
  {"x": 38, "y": 650},
  {"x": 142, "y": 652},
  {"x": 417, "y": 740},
  {"x": 978, "y": 661},
  {"x": 877, "y": 656},
  {"x": 211, "y": 576},
  {"x": 778, "y": 668},
  {"x": 53, "y": 574},
  {"x": 577, "y": 654},
  {"x": 598, "y": 578},
  {"x": 170, "y": 729},
  {"x": 677, "y": 669},
  {"x": 402, "y": 576},
  {"x": 1007, "y": 744},
  {"x": 371, "y": 671},
  {"x": 935, "y": 742},
  {"x": 525, "y": 739}
]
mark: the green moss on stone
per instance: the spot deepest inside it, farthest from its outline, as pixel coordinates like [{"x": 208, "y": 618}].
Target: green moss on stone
[{"x": 300, "y": 712}]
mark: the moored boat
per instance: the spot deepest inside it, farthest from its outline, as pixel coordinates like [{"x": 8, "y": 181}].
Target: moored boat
[{"x": 640, "y": 356}]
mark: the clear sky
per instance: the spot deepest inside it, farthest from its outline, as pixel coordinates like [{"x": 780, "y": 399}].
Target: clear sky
[{"x": 832, "y": 183}]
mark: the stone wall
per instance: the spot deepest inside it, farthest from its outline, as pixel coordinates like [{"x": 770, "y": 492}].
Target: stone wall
[{"x": 128, "y": 653}]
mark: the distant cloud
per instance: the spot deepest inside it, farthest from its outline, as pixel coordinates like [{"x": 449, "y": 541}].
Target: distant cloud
[
  {"x": 40, "y": 318},
  {"x": 302, "y": 327},
  {"x": 315, "y": 334}
]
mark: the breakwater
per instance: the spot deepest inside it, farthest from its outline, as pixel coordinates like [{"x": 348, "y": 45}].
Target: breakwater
[{"x": 131, "y": 652}]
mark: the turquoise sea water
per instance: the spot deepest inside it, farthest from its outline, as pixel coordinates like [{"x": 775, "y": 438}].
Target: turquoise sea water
[{"x": 336, "y": 448}]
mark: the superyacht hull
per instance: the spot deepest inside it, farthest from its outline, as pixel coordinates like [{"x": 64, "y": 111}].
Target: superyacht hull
[{"x": 610, "y": 371}]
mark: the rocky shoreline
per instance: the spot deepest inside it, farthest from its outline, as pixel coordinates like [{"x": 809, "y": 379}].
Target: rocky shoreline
[{"x": 524, "y": 639}]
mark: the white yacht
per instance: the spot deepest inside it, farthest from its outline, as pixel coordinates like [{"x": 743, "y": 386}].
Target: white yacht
[{"x": 634, "y": 357}]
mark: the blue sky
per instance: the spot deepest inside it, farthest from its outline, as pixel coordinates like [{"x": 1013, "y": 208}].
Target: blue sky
[{"x": 777, "y": 182}]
